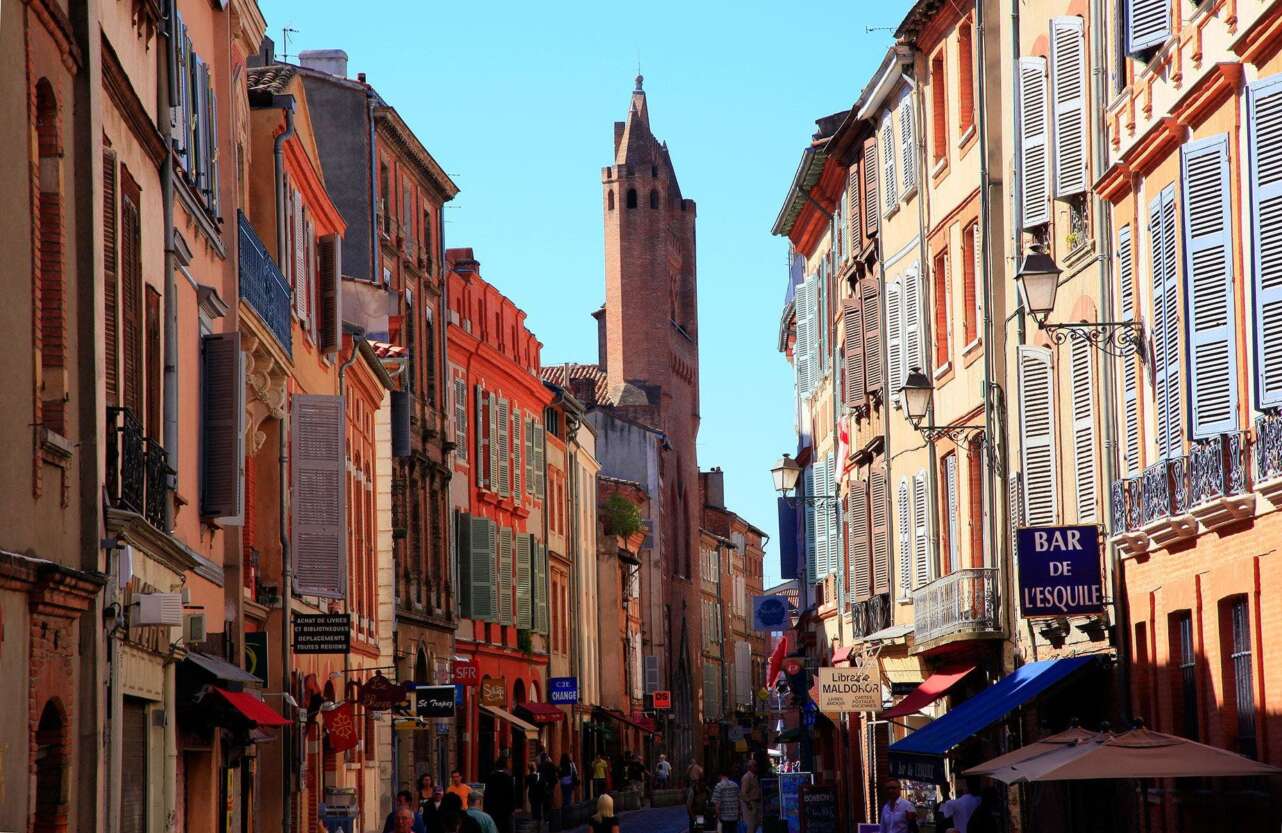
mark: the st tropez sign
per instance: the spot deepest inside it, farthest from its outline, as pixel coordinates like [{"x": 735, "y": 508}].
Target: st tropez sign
[{"x": 1059, "y": 571}]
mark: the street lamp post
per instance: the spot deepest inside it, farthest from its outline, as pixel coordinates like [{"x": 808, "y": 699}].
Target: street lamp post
[
  {"x": 1038, "y": 281},
  {"x": 918, "y": 395}
]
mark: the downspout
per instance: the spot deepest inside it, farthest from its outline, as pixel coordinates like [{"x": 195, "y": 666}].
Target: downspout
[
  {"x": 1016, "y": 243},
  {"x": 170, "y": 396}
]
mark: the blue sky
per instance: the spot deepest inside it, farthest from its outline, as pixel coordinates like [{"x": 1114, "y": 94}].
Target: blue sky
[{"x": 517, "y": 102}]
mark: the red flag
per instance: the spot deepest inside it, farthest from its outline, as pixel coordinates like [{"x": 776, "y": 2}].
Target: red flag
[
  {"x": 776, "y": 660},
  {"x": 340, "y": 726}
]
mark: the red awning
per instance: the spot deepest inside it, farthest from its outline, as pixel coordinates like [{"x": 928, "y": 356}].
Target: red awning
[
  {"x": 934, "y": 687},
  {"x": 625, "y": 720},
  {"x": 540, "y": 713},
  {"x": 646, "y": 723},
  {"x": 253, "y": 709},
  {"x": 841, "y": 654}
]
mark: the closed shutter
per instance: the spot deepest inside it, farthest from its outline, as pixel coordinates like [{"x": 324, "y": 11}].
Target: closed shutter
[
  {"x": 652, "y": 681},
  {"x": 853, "y": 224},
  {"x": 834, "y": 523},
  {"x": 529, "y": 455},
  {"x": 1015, "y": 499},
  {"x": 889, "y": 183},
  {"x": 870, "y": 307},
  {"x": 853, "y": 349},
  {"x": 318, "y": 502},
  {"x": 1148, "y": 24},
  {"x": 504, "y": 584},
  {"x": 110, "y": 285},
  {"x": 921, "y": 543},
  {"x": 872, "y": 211},
  {"x": 1130, "y": 370},
  {"x": 1264, "y": 121},
  {"x": 518, "y": 443},
  {"x": 329, "y": 279},
  {"x": 822, "y": 567},
  {"x": 1037, "y": 426},
  {"x": 1083, "y": 383},
  {"x": 903, "y": 536},
  {"x": 400, "y": 404},
  {"x": 1035, "y": 206},
  {"x": 860, "y": 553},
  {"x": 1068, "y": 88},
  {"x": 895, "y": 337},
  {"x": 134, "y": 742},
  {"x": 222, "y": 446},
  {"x": 950, "y": 510},
  {"x": 482, "y": 572},
  {"x": 808, "y": 477},
  {"x": 1208, "y": 252},
  {"x": 541, "y": 587},
  {"x": 154, "y": 364},
  {"x": 540, "y": 459},
  {"x": 460, "y": 418},
  {"x": 1166, "y": 325},
  {"x": 482, "y": 442},
  {"x": 494, "y": 443},
  {"x": 906, "y": 144},
  {"x": 879, "y": 534},
  {"x": 524, "y": 582},
  {"x": 463, "y": 552},
  {"x": 914, "y": 343},
  {"x": 803, "y": 349},
  {"x": 131, "y": 295}
]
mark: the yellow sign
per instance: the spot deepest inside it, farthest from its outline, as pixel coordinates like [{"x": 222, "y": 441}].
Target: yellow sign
[{"x": 853, "y": 689}]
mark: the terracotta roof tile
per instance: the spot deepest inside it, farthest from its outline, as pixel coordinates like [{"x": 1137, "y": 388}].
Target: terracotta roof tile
[
  {"x": 273, "y": 78},
  {"x": 387, "y": 351}
]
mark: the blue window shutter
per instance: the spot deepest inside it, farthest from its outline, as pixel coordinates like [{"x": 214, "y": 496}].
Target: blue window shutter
[
  {"x": 1148, "y": 24},
  {"x": 1166, "y": 324},
  {"x": 1208, "y": 253},
  {"x": 808, "y": 484},
  {"x": 1264, "y": 120}
]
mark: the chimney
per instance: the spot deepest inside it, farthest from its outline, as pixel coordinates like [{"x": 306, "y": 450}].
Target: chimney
[
  {"x": 714, "y": 488},
  {"x": 329, "y": 61},
  {"x": 266, "y": 54},
  {"x": 599, "y": 315}
]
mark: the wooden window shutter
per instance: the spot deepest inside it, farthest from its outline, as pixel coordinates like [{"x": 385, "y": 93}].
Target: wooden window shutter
[
  {"x": 330, "y": 282},
  {"x": 400, "y": 403},
  {"x": 1166, "y": 326},
  {"x": 889, "y": 182},
  {"x": 1148, "y": 24},
  {"x": 970, "y": 283},
  {"x": 907, "y": 148},
  {"x": 952, "y": 543},
  {"x": 965, "y": 78},
  {"x": 504, "y": 583},
  {"x": 903, "y": 536},
  {"x": 524, "y": 608},
  {"x": 1130, "y": 370},
  {"x": 820, "y": 481},
  {"x": 299, "y": 258},
  {"x": 860, "y": 554},
  {"x": 1068, "y": 89},
  {"x": 480, "y": 591},
  {"x": 1035, "y": 205},
  {"x": 895, "y": 337},
  {"x": 482, "y": 442},
  {"x": 870, "y": 306},
  {"x": 921, "y": 541},
  {"x": 460, "y": 418},
  {"x": 111, "y": 279},
  {"x": 1037, "y": 427},
  {"x": 942, "y": 323},
  {"x": 939, "y": 107},
  {"x": 803, "y": 349},
  {"x": 853, "y": 326},
  {"x": 1083, "y": 386},
  {"x": 504, "y": 448},
  {"x": 493, "y": 443},
  {"x": 318, "y": 503},
  {"x": 877, "y": 499},
  {"x": 853, "y": 223},
  {"x": 1208, "y": 259},
  {"x": 975, "y": 494},
  {"x": 222, "y": 442},
  {"x": 154, "y": 364},
  {"x": 872, "y": 213},
  {"x": 131, "y": 294},
  {"x": 1264, "y": 122},
  {"x": 518, "y": 464},
  {"x": 541, "y": 587},
  {"x": 463, "y": 553},
  {"x": 914, "y": 346}
]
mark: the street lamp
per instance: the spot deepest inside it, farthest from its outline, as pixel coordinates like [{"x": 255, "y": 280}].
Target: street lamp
[
  {"x": 1038, "y": 281},
  {"x": 785, "y": 474},
  {"x": 917, "y": 393}
]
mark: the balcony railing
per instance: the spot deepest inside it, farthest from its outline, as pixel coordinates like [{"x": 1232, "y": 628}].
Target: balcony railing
[
  {"x": 964, "y": 601},
  {"x": 1164, "y": 490},
  {"x": 1268, "y": 447},
  {"x": 138, "y": 473},
  {"x": 871, "y": 615},
  {"x": 1216, "y": 469},
  {"x": 263, "y": 285}
]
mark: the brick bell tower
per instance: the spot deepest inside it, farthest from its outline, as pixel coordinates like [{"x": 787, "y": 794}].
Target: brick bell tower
[{"x": 650, "y": 354}]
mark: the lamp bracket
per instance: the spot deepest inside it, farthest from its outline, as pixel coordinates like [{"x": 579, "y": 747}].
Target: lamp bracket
[
  {"x": 959, "y": 434},
  {"x": 1116, "y": 338}
]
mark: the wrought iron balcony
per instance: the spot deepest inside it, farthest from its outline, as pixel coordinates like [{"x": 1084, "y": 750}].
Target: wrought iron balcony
[
  {"x": 1218, "y": 481},
  {"x": 138, "y": 473},
  {"x": 263, "y": 285},
  {"x": 1268, "y": 456},
  {"x": 960, "y": 604},
  {"x": 871, "y": 615}
]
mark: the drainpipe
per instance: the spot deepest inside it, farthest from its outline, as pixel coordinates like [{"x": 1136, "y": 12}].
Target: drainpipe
[{"x": 170, "y": 397}]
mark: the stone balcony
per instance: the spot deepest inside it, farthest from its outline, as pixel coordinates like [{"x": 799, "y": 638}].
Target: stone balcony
[{"x": 961, "y": 605}]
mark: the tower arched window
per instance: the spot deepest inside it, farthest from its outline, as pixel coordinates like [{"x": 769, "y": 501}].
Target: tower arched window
[
  {"x": 632, "y": 198},
  {"x": 50, "y": 288},
  {"x": 609, "y": 199},
  {"x": 654, "y": 198}
]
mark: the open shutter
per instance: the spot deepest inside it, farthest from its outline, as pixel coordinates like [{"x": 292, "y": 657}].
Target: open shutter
[
  {"x": 1015, "y": 504},
  {"x": 872, "y": 212},
  {"x": 878, "y": 531},
  {"x": 504, "y": 448},
  {"x": 1130, "y": 369},
  {"x": 950, "y": 509},
  {"x": 871, "y": 309},
  {"x": 808, "y": 477},
  {"x": 821, "y": 521},
  {"x": 463, "y": 552},
  {"x": 524, "y": 583},
  {"x": 1166, "y": 326},
  {"x": 803, "y": 350},
  {"x": 906, "y": 143},
  {"x": 110, "y": 284},
  {"x": 853, "y": 224},
  {"x": 903, "y": 536},
  {"x": 1083, "y": 383},
  {"x": 889, "y": 183},
  {"x": 853, "y": 349},
  {"x": 1035, "y": 206},
  {"x": 540, "y": 460},
  {"x": 895, "y": 337},
  {"x": 318, "y": 504},
  {"x": 1037, "y": 426},
  {"x": 541, "y": 584},
  {"x": 529, "y": 455},
  {"x": 493, "y": 443},
  {"x": 215, "y": 199},
  {"x": 482, "y": 595},
  {"x": 921, "y": 543},
  {"x": 1148, "y": 24},
  {"x": 330, "y": 281},
  {"x": 460, "y": 418},
  {"x": 914, "y": 344},
  {"x": 298, "y": 255},
  {"x": 1264, "y": 121},
  {"x": 482, "y": 439},
  {"x": 1208, "y": 251},
  {"x": 177, "y": 122},
  {"x": 1068, "y": 88},
  {"x": 504, "y": 583},
  {"x": 222, "y": 465},
  {"x": 860, "y": 554},
  {"x": 518, "y": 465}
]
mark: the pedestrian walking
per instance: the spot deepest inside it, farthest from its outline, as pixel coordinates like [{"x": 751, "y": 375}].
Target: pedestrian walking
[
  {"x": 500, "y": 795},
  {"x": 484, "y": 819},
  {"x": 897, "y": 814},
  {"x": 404, "y": 801},
  {"x": 697, "y": 797},
  {"x": 452, "y": 805},
  {"x": 662, "y": 772},
  {"x": 568, "y": 776},
  {"x": 725, "y": 797},
  {"x": 457, "y": 787},
  {"x": 959, "y": 810},
  {"x": 600, "y": 772},
  {"x": 604, "y": 820},
  {"x": 548, "y": 779},
  {"x": 750, "y": 797}
]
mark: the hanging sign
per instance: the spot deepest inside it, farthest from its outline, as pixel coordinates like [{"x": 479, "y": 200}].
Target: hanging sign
[
  {"x": 256, "y": 655},
  {"x": 466, "y": 672},
  {"x": 853, "y": 689},
  {"x": 340, "y": 727},
  {"x": 494, "y": 692},
  {"x": 380, "y": 694},
  {"x": 434, "y": 701},
  {"x": 1059, "y": 571},
  {"x": 769, "y": 613},
  {"x": 563, "y": 690},
  {"x": 325, "y": 633}
]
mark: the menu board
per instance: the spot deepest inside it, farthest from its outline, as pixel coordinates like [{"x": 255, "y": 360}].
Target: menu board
[
  {"x": 818, "y": 809},
  {"x": 789, "y": 798}
]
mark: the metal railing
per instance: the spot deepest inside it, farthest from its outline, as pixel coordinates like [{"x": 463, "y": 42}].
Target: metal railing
[
  {"x": 1216, "y": 469},
  {"x": 138, "y": 473},
  {"x": 263, "y": 285},
  {"x": 1268, "y": 447},
  {"x": 1164, "y": 490},
  {"x": 965, "y": 600}
]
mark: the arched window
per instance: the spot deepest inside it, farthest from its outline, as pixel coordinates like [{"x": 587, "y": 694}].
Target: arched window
[
  {"x": 632, "y": 198},
  {"x": 609, "y": 199},
  {"x": 50, "y": 289},
  {"x": 654, "y": 198}
]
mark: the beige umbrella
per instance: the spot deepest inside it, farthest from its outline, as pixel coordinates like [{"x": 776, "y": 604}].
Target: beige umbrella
[{"x": 1002, "y": 764}]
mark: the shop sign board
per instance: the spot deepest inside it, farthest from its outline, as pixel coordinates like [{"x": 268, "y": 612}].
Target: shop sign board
[
  {"x": 434, "y": 700},
  {"x": 563, "y": 690},
  {"x": 853, "y": 689},
  {"x": 494, "y": 692},
  {"x": 324, "y": 633},
  {"x": 1059, "y": 571}
]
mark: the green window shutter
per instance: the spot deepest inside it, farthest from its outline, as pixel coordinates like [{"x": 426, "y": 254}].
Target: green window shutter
[
  {"x": 524, "y": 582},
  {"x": 482, "y": 439},
  {"x": 460, "y": 417},
  {"x": 517, "y": 466},
  {"x": 541, "y": 588},
  {"x": 482, "y": 554},
  {"x": 504, "y": 584},
  {"x": 504, "y": 449},
  {"x": 529, "y": 455},
  {"x": 463, "y": 552}
]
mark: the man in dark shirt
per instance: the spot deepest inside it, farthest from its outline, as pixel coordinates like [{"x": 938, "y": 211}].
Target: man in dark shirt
[
  {"x": 500, "y": 795},
  {"x": 404, "y": 801}
]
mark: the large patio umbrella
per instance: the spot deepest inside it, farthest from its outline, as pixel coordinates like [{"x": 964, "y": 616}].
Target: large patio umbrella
[{"x": 1004, "y": 763}]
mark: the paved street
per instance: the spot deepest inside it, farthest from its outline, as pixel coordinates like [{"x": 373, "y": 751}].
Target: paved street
[{"x": 651, "y": 820}]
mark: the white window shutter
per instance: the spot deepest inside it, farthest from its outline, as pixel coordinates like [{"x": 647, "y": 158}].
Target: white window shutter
[
  {"x": 903, "y": 535},
  {"x": 1015, "y": 503},
  {"x": 950, "y": 486},
  {"x": 1264, "y": 121},
  {"x": 821, "y": 521},
  {"x": 808, "y": 484},
  {"x": 1130, "y": 369},
  {"x": 914, "y": 354},
  {"x": 1208, "y": 256},
  {"x": 906, "y": 143},
  {"x": 1148, "y": 24},
  {"x": 921, "y": 540},
  {"x": 317, "y": 502},
  {"x": 1166, "y": 325},
  {"x": 1083, "y": 386},
  {"x": 802, "y": 350},
  {"x": 834, "y": 528},
  {"x": 222, "y": 440},
  {"x": 1068, "y": 88},
  {"x": 889, "y": 183},
  {"x": 1034, "y": 185},
  {"x": 1037, "y": 426},
  {"x": 895, "y": 336},
  {"x": 504, "y": 584}
]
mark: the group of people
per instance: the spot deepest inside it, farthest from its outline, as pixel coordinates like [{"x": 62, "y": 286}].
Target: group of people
[
  {"x": 458, "y": 808},
  {"x": 728, "y": 802},
  {"x": 974, "y": 811}
]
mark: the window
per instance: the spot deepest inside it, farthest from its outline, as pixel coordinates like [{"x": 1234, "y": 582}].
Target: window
[
  {"x": 609, "y": 200},
  {"x": 965, "y": 79},
  {"x": 1166, "y": 324},
  {"x": 942, "y": 322},
  {"x": 1034, "y": 205},
  {"x": 195, "y": 133},
  {"x": 51, "y": 290},
  {"x": 1264, "y": 104},
  {"x": 1037, "y": 424},
  {"x": 948, "y": 494},
  {"x": 1148, "y": 24},
  {"x": 1184, "y": 707},
  {"x": 1143, "y": 676},
  {"x": 970, "y": 283},
  {"x": 938, "y": 107},
  {"x": 632, "y": 198},
  {"x": 1237, "y": 624},
  {"x": 975, "y": 500},
  {"x": 384, "y": 198},
  {"x": 1068, "y": 86}
]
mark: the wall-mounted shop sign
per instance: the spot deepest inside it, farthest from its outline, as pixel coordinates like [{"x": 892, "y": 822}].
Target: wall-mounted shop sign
[
  {"x": 1059, "y": 571},
  {"x": 325, "y": 633},
  {"x": 853, "y": 689},
  {"x": 563, "y": 690},
  {"x": 494, "y": 692},
  {"x": 434, "y": 701}
]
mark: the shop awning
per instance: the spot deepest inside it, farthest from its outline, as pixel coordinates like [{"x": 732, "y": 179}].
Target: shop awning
[
  {"x": 220, "y": 669},
  {"x": 920, "y": 755},
  {"x": 540, "y": 713},
  {"x": 624, "y": 719},
  {"x": 531, "y": 731},
  {"x": 894, "y": 633},
  {"x": 934, "y": 687},
  {"x": 645, "y": 722},
  {"x": 250, "y": 707}
]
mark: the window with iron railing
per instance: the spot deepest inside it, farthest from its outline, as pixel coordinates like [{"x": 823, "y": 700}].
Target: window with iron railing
[{"x": 1239, "y": 621}]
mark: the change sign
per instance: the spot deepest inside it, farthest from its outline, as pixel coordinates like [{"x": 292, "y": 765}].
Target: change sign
[
  {"x": 1059, "y": 571},
  {"x": 853, "y": 689}
]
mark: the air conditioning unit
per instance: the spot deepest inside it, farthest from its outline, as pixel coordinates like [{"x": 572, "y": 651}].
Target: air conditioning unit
[
  {"x": 158, "y": 609},
  {"x": 194, "y": 628}
]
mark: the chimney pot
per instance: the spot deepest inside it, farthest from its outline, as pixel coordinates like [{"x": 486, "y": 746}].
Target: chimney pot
[{"x": 330, "y": 61}]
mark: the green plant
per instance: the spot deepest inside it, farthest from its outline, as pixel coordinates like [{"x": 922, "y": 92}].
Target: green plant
[
  {"x": 619, "y": 517},
  {"x": 1073, "y": 240},
  {"x": 525, "y": 641}
]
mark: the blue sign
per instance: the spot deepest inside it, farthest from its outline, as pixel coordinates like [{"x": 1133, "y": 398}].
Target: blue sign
[
  {"x": 790, "y": 797},
  {"x": 563, "y": 690},
  {"x": 808, "y": 713},
  {"x": 769, "y": 613},
  {"x": 1059, "y": 571}
]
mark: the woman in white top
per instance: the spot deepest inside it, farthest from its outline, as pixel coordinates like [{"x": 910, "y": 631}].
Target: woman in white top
[{"x": 897, "y": 814}]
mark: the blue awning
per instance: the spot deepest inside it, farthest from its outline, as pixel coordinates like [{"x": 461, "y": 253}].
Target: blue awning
[{"x": 911, "y": 757}]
